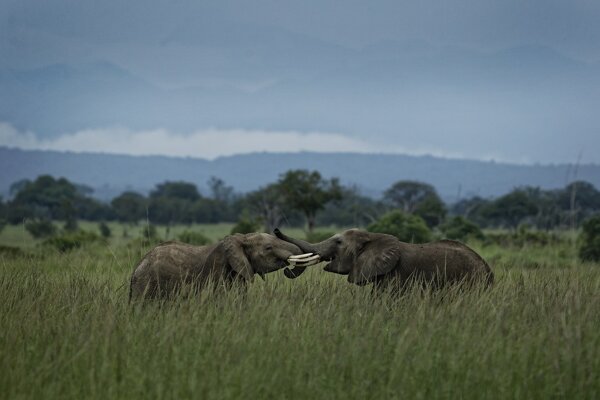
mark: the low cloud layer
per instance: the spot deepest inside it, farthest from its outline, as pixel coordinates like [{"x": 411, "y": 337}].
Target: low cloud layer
[{"x": 208, "y": 143}]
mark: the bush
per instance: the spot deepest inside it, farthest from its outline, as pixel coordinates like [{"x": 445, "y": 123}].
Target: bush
[
  {"x": 71, "y": 225},
  {"x": 70, "y": 241},
  {"x": 150, "y": 233},
  {"x": 316, "y": 237},
  {"x": 406, "y": 227},
  {"x": 40, "y": 228},
  {"x": 246, "y": 225},
  {"x": 195, "y": 238},
  {"x": 104, "y": 230},
  {"x": 523, "y": 237},
  {"x": 460, "y": 228},
  {"x": 2, "y": 224},
  {"x": 10, "y": 251},
  {"x": 590, "y": 239}
]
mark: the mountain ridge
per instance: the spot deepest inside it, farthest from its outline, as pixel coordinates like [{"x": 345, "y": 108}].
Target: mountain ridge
[{"x": 110, "y": 174}]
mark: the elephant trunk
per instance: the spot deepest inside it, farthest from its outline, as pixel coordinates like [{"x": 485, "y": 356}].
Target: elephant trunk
[{"x": 304, "y": 246}]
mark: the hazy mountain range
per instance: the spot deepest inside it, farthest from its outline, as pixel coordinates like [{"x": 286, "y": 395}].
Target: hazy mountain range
[
  {"x": 371, "y": 173},
  {"x": 291, "y": 82},
  {"x": 515, "y": 81}
]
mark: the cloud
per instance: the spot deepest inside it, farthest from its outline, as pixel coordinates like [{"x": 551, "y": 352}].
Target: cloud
[
  {"x": 213, "y": 143},
  {"x": 207, "y": 143}
]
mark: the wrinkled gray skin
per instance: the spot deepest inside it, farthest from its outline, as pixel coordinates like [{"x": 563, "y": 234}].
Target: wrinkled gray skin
[
  {"x": 386, "y": 261},
  {"x": 163, "y": 270}
]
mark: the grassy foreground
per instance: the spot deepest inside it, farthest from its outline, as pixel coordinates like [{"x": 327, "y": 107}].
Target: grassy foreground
[{"x": 66, "y": 331}]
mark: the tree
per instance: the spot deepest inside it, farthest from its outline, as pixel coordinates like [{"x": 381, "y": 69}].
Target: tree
[
  {"x": 406, "y": 227},
  {"x": 580, "y": 195},
  {"x": 460, "y": 228},
  {"x": 169, "y": 210},
  {"x": 219, "y": 190},
  {"x": 268, "y": 203},
  {"x": 417, "y": 198},
  {"x": 352, "y": 209},
  {"x": 579, "y": 200},
  {"x": 130, "y": 207},
  {"x": 432, "y": 210},
  {"x": 590, "y": 239},
  {"x": 176, "y": 190},
  {"x": 205, "y": 211},
  {"x": 406, "y": 195},
  {"x": 172, "y": 202},
  {"x": 50, "y": 198},
  {"x": 2, "y": 214},
  {"x": 308, "y": 192},
  {"x": 511, "y": 209},
  {"x": 224, "y": 199},
  {"x": 17, "y": 186}
]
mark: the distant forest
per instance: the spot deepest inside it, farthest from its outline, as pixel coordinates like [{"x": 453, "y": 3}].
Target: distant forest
[{"x": 298, "y": 198}]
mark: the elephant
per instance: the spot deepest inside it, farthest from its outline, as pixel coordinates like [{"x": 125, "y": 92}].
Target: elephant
[
  {"x": 163, "y": 270},
  {"x": 390, "y": 263}
]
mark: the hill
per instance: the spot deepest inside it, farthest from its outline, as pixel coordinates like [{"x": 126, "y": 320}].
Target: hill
[{"x": 110, "y": 174}]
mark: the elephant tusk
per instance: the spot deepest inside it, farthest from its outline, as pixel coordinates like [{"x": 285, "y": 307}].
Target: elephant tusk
[
  {"x": 304, "y": 262},
  {"x": 300, "y": 256}
]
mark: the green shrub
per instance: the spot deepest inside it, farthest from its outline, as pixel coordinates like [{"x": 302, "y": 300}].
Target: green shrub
[
  {"x": 150, "y": 233},
  {"x": 523, "y": 236},
  {"x": 316, "y": 237},
  {"x": 406, "y": 227},
  {"x": 71, "y": 225},
  {"x": 104, "y": 229},
  {"x": 246, "y": 225},
  {"x": 71, "y": 240},
  {"x": 590, "y": 239},
  {"x": 195, "y": 238},
  {"x": 40, "y": 228},
  {"x": 460, "y": 228},
  {"x": 10, "y": 251}
]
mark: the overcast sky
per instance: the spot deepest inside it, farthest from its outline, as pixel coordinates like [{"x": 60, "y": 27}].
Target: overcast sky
[{"x": 249, "y": 46}]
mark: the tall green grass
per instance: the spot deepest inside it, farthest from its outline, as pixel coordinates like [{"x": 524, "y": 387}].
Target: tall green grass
[{"x": 66, "y": 331}]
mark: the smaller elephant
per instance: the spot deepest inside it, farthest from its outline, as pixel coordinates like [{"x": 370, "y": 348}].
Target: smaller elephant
[
  {"x": 162, "y": 271},
  {"x": 386, "y": 261}
]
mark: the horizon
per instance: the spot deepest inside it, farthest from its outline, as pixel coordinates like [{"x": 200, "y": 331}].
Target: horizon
[{"x": 575, "y": 163}]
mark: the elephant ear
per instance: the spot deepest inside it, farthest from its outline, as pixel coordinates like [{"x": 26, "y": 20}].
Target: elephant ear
[
  {"x": 234, "y": 253},
  {"x": 379, "y": 257}
]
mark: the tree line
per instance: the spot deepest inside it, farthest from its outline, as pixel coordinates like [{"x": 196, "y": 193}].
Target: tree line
[{"x": 298, "y": 197}]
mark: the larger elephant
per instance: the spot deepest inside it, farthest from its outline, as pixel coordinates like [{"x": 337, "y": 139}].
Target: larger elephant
[
  {"x": 384, "y": 260},
  {"x": 165, "y": 268}
]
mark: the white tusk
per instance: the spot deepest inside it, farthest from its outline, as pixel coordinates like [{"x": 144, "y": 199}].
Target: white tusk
[
  {"x": 305, "y": 261},
  {"x": 302, "y": 260},
  {"x": 300, "y": 256}
]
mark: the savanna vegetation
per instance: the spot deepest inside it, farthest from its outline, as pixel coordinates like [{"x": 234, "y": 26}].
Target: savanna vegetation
[{"x": 68, "y": 331}]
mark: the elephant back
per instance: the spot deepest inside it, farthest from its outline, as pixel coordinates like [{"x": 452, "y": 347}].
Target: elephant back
[{"x": 451, "y": 259}]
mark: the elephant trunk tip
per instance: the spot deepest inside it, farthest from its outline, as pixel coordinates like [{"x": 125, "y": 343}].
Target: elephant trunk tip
[{"x": 290, "y": 274}]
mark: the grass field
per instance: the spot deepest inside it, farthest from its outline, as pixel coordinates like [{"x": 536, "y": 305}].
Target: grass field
[{"x": 67, "y": 332}]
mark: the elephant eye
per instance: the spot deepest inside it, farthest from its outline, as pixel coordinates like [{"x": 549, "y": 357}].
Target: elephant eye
[{"x": 269, "y": 247}]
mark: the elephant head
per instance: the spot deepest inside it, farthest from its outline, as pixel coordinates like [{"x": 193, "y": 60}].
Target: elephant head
[
  {"x": 258, "y": 253},
  {"x": 363, "y": 256}
]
